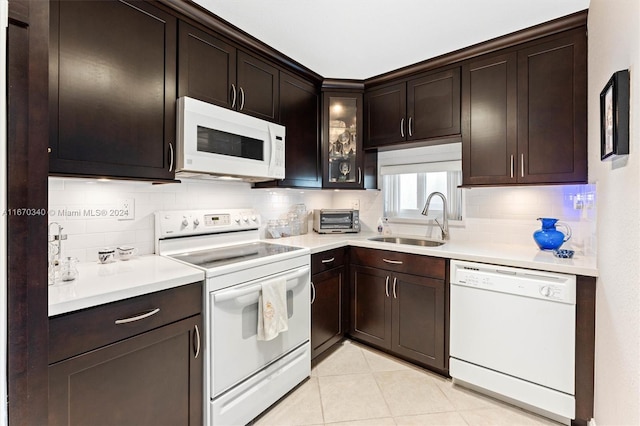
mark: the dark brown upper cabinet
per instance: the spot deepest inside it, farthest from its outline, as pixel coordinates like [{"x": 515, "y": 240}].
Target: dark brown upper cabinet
[
  {"x": 524, "y": 114},
  {"x": 214, "y": 71},
  {"x": 552, "y": 110},
  {"x": 342, "y": 154},
  {"x": 112, "y": 89},
  {"x": 300, "y": 114},
  {"x": 422, "y": 108},
  {"x": 489, "y": 107}
]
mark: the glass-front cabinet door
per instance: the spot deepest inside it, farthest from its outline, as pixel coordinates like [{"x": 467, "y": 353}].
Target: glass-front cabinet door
[{"x": 342, "y": 140}]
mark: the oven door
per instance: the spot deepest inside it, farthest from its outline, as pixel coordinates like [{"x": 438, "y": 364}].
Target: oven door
[{"x": 236, "y": 353}]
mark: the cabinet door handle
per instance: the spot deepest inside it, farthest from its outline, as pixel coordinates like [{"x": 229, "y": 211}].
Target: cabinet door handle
[
  {"x": 359, "y": 174},
  {"x": 402, "y": 127},
  {"x": 393, "y": 262},
  {"x": 511, "y": 166},
  {"x": 410, "y": 126},
  {"x": 386, "y": 286},
  {"x": 138, "y": 317},
  {"x": 170, "y": 157},
  {"x": 328, "y": 260},
  {"x": 313, "y": 293},
  {"x": 197, "y": 341},
  {"x": 234, "y": 96},
  {"x": 241, "y": 99},
  {"x": 395, "y": 281},
  {"x": 521, "y": 165}
]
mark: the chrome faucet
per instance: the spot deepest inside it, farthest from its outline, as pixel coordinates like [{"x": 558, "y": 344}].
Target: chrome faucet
[{"x": 444, "y": 227}]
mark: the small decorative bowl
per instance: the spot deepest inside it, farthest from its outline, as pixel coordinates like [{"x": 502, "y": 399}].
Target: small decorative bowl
[{"x": 563, "y": 253}]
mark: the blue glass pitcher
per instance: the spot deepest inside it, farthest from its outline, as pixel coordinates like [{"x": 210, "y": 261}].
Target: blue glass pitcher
[{"x": 548, "y": 237}]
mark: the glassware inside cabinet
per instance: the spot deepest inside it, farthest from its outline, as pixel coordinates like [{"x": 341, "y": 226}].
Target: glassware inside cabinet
[{"x": 343, "y": 112}]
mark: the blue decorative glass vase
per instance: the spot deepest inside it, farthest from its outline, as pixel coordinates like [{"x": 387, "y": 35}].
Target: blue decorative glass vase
[{"x": 548, "y": 237}]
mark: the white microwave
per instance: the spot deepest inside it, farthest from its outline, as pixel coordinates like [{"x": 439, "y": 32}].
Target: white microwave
[{"x": 216, "y": 141}]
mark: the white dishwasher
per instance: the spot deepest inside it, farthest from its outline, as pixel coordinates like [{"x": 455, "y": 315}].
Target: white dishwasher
[{"x": 513, "y": 334}]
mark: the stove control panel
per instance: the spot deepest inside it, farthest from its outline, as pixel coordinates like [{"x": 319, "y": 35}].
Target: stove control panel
[{"x": 182, "y": 223}]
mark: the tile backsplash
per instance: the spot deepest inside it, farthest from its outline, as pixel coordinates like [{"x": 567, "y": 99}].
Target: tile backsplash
[
  {"x": 86, "y": 234},
  {"x": 498, "y": 215}
]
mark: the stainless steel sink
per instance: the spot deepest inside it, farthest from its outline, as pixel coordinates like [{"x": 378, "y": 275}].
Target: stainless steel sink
[{"x": 406, "y": 240}]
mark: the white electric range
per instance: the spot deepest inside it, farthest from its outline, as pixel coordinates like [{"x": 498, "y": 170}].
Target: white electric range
[{"x": 243, "y": 375}]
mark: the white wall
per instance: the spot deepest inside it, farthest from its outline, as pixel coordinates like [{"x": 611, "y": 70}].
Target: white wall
[{"x": 614, "y": 44}]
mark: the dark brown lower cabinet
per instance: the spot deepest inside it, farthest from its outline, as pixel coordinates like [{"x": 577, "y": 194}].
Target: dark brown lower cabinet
[
  {"x": 371, "y": 306},
  {"x": 327, "y": 321},
  {"x": 329, "y": 294},
  {"x": 150, "y": 379},
  {"x": 418, "y": 313},
  {"x": 138, "y": 361},
  {"x": 401, "y": 313}
]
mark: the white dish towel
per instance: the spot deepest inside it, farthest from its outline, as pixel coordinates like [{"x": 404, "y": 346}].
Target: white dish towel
[{"x": 272, "y": 309}]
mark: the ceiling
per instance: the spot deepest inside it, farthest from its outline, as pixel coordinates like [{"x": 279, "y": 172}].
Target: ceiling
[{"x": 359, "y": 39}]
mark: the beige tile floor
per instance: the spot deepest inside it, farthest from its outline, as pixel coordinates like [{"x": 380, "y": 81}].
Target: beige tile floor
[{"x": 359, "y": 386}]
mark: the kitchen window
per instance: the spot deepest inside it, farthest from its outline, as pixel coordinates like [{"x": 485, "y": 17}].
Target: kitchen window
[{"x": 406, "y": 185}]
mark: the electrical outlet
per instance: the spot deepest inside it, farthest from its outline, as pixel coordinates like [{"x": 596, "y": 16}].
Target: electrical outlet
[{"x": 355, "y": 204}]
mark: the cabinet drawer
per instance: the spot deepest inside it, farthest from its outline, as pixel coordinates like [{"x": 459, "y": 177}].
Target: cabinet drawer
[
  {"x": 427, "y": 266},
  {"x": 326, "y": 260},
  {"x": 78, "y": 332}
]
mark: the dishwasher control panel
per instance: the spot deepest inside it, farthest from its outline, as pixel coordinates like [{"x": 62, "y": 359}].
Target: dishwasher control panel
[{"x": 523, "y": 282}]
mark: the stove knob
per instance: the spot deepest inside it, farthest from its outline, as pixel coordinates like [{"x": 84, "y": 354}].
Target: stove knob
[
  {"x": 254, "y": 218},
  {"x": 245, "y": 219},
  {"x": 185, "y": 222},
  {"x": 196, "y": 222},
  {"x": 237, "y": 219}
]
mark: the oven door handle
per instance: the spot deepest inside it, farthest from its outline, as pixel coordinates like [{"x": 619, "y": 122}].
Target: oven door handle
[{"x": 224, "y": 296}]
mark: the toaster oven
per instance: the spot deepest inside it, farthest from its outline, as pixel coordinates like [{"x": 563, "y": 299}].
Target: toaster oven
[{"x": 335, "y": 221}]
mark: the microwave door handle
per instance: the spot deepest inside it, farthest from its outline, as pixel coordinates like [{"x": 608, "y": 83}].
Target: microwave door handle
[
  {"x": 272, "y": 147},
  {"x": 237, "y": 294}
]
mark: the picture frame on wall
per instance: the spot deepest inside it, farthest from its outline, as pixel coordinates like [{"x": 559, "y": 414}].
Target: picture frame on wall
[{"x": 614, "y": 116}]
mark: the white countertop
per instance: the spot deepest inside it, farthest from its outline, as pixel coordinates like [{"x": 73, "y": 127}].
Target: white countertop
[
  {"x": 98, "y": 284},
  {"x": 524, "y": 256}
]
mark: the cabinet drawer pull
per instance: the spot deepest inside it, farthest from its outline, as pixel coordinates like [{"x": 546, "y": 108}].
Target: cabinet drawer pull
[
  {"x": 138, "y": 317},
  {"x": 313, "y": 293},
  {"x": 197, "y": 341},
  {"x": 395, "y": 282},
  {"x": 359, "y": 175},
  {"x": 410, "y": 126},
  {"x": 170, "y": 157},
  {"x": 328, "y": 260},
  {"x": 393, "y": 262},
  {"x": 521, "y": 165},
  {"x": 402, "y": 127},
  {"x": 386, "y": 286},
  {"x": 241, "y": 99},
  {"x": 234, "y": 95}
]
